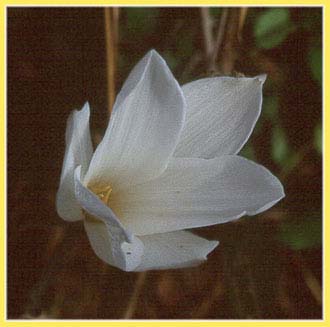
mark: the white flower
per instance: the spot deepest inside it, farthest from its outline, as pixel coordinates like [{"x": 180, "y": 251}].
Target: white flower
[{"x": 167, "y": 163}]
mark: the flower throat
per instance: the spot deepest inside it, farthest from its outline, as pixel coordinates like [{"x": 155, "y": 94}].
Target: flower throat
[{"x": 103, "y": 194}]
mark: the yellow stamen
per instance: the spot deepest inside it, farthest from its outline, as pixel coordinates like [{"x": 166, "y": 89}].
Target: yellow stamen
[{"x": 103, "y": 194}]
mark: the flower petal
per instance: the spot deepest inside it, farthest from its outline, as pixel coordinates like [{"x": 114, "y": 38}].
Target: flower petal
[
  {"x": 144, "y": 128},
  {"x": 174, "y": 250},
  {"x": 78, "y": 151},
  {"x": 221, "y": 114},
  {"x": 197, "y": 192},
  {"x": 109, "y": 239}
]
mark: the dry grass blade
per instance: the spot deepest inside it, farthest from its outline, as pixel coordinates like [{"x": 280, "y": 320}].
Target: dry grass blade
[
  {"x": 219, "y": 40},
  {"x": 135, "y": 295},
  {"x": 111, "y": 19},
  {"x": 207, "y": 26},
  {"x": 242, "y": 16}
]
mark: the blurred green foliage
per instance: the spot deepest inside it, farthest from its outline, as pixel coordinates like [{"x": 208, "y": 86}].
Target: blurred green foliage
[
  {"x": 280, "y": 146},
  {"x": 304, "y": 235},
  {"x": 315, "y": 61},
  {"x": 140, "y": 21},
  {"x": 248, "y": 152},
  {"x": 270, "y": 107},
  {"x": 215, "y": 11},
  {"x": 272, "y": 27},
  {"x": 318, "y": 138}
]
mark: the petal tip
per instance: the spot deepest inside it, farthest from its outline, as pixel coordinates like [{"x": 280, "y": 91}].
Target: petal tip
[
  {"x": 261, "y": 78},
  {"x": 280, "y": 188},
  {"x": 282, "y": 194},
  {"x": 85, "y": 110},
  {"x": 153, "y": 54},
  {"x": 86, "y": 107},
  {"x": 268, "y": 205},
  {"x": 213, "y": 245}
]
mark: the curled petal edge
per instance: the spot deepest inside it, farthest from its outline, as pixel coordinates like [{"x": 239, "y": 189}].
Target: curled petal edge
[{"x": 126, "y": 249}]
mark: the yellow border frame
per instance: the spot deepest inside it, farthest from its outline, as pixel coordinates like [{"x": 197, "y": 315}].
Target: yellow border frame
[{"x": 326, "y": 196}]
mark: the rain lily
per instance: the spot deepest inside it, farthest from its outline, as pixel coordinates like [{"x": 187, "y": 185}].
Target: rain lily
[{"x": 168, "y": 162}]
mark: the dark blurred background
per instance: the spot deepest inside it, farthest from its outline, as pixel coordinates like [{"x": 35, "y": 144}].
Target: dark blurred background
[{"x": 268, "y": 266}]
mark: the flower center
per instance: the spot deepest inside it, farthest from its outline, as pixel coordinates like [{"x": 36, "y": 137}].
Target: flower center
[{"x": 103, "y": 194}]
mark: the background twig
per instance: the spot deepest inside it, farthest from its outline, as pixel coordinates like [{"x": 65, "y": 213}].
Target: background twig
[
  {"x": 229, "y": 49},
  {"x": 111, "y": 17},
  {"x": 135, "y": 295},
  {"x": 219, "y": 40},
  {"x": 207, "y": 26}
]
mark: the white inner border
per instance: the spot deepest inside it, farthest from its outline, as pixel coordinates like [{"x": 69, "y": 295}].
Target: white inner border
[{"x": 164, "y": 6}]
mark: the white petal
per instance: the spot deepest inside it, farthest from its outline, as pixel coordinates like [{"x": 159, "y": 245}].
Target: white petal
[
  {"x": 109, "y": 239},
  {"x": 78, "y": 151},
  {"x": 221, "y": 114},
  {"x": 144, "y": 127},
  {"x": 174, "y": 250},
  {"x": 197, "y": 192}
]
